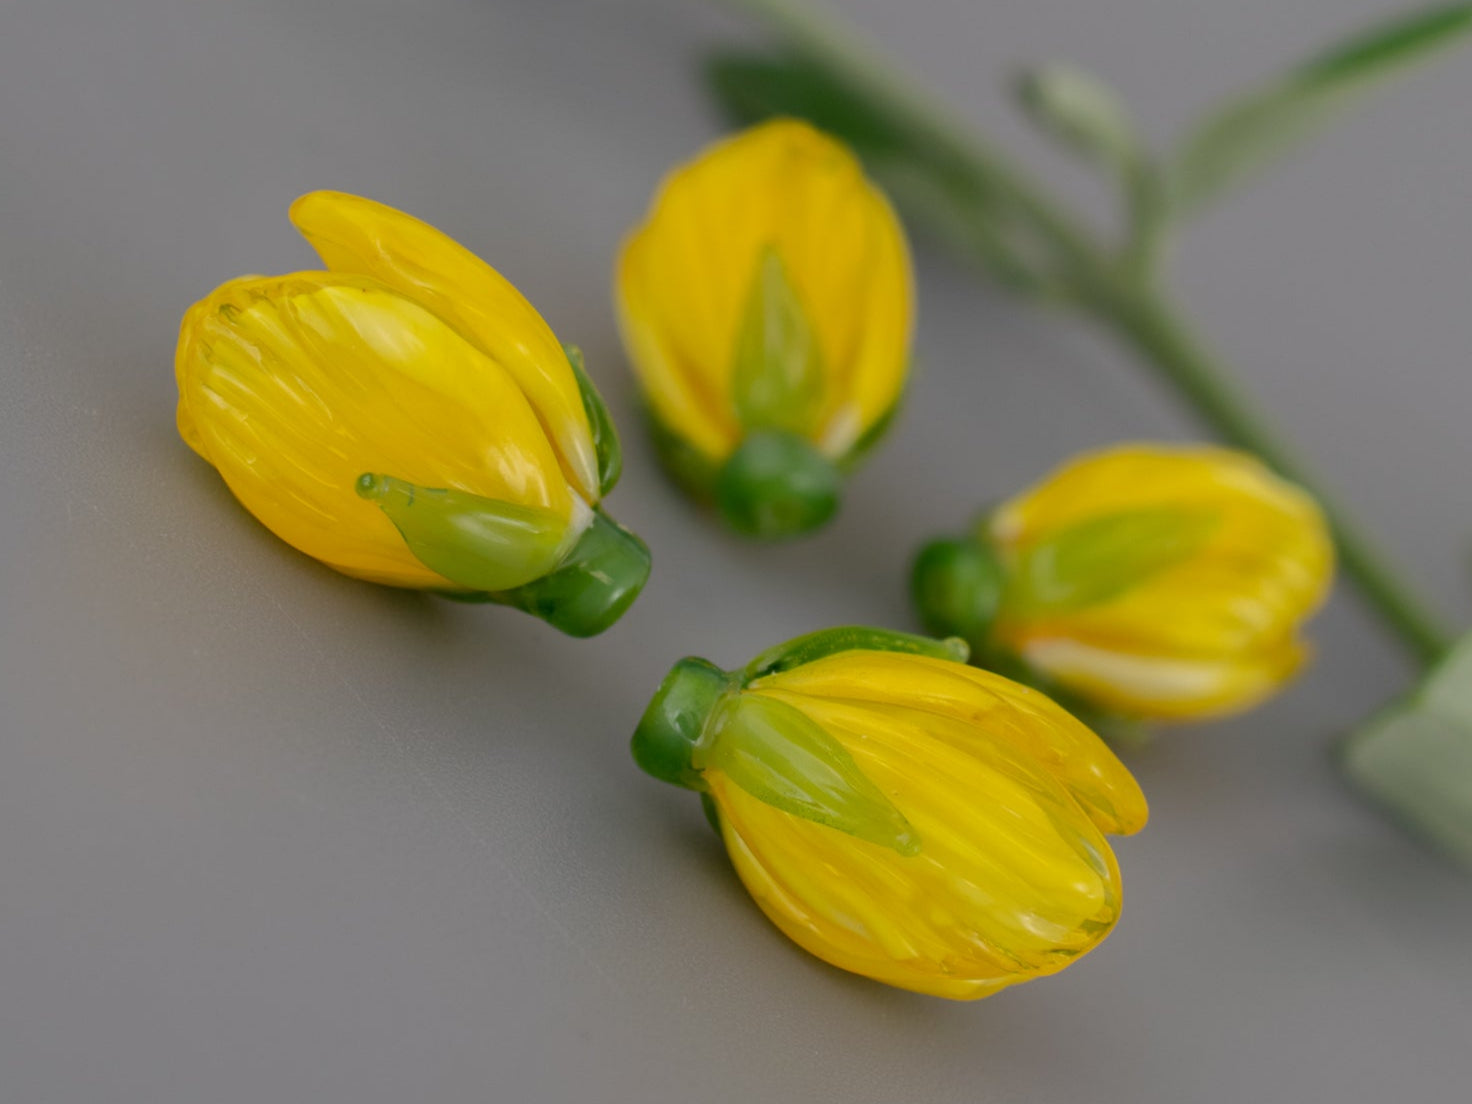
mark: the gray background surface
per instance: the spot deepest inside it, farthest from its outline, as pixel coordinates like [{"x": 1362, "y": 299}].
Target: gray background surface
[{"x": 270, "y": 835}]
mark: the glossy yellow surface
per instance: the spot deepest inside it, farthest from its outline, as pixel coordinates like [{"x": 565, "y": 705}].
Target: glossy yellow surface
[
  {"x": 1008, "y": 795},
  {"x": 1211, "y": 633},
  {"x": 779, "y": 189},
  {"x": 410, "y": 357}
]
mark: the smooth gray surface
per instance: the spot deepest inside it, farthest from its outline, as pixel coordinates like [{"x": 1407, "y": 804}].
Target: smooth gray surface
[{"x": 270, "y": 835}]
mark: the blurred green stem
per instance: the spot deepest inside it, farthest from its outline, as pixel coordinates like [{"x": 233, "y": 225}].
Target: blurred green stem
[{"x": 1118, "y": 290}]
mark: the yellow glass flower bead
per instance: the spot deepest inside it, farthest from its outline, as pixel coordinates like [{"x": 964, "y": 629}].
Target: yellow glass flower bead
[
  {"x": 899, "y": 814},
  {"x": 1152, "y": 581},
  {"x": 408, "y": 418},
  {"x": 766, "y": 306}
]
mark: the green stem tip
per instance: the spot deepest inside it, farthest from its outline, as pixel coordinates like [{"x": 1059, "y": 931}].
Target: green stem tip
[
  {"x": 956, "y": 585},
  {"x": 777, "y": 485},
  {"x": 672, "y": 726},
  {"x": 593, "y": 585}
]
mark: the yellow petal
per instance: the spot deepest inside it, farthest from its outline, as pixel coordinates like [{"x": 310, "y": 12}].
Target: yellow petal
[
  {"x": 698, "y": 414},
  {"x": 1126, "y": 476},
  {"x": 684, "y": 275},
  {"x": 1165, "y": 686},
  {"x": 183, "y": 419},
  {"x": 992, "y": 708},
  {"x": 1012, "y": 880},
  {"x": 294, "y": 386},
  {"x": 357, "y": 235},
  {"x": 877, "y": 371}
]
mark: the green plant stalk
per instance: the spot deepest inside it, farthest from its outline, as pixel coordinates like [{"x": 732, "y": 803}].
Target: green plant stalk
[{"x": 1119, "y": 293}]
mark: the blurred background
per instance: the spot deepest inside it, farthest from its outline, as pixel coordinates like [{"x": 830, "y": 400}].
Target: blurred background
[{"x": 268, "y": 834}]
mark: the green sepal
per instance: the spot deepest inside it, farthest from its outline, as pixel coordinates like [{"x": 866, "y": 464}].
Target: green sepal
[
  {"x": 592, "y": 585},
  {"x": 956, "y": 586},
  {"x": 1415, "y": 758},
  {"x": 780, "y": 756},
  {"x": 605, "y": 436},
  {"x": 1101, "y": 558},
  {"x": 480, "y": 544},
  {"x": 692, "y": 471},
  {"x": 777, "y": 485},
  {"x": 849, "y": 638},
  {"x": 674, "y": 722},
  {"x": 777, "y": 361}
]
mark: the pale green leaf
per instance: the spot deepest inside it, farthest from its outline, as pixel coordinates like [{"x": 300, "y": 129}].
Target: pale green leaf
[
  {"x": 478, "y": 543},
  {"x": 1419, "y": 765},
  {"x": 605, "y": 436},
  {"x": 777, "y": 367},
  {"x": 1098, "y": 559},
  {"x": 1416, "y": 758},
  {"x": 1081, "y": 113},
  {"x": 1248, "y": 132}
]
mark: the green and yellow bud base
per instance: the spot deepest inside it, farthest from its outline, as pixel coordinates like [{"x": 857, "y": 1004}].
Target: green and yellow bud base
[{"x": 593, "y": 585}]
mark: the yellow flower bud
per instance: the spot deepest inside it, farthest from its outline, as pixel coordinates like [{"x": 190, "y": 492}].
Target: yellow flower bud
[
  {"x": 1152, "y": 581},
  {"x": 408, "y": 418},
  {"x": 766, "y": 307},
  {"x": 899, "y": 814}
]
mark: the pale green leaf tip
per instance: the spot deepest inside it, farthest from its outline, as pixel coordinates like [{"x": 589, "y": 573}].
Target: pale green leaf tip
[
  {"x": 777, "y": 366},
  {"x": 883, "y": 825},
  {"x": 783, "y": 758},
  {"x": 1079, "y": 111},
  {"x": 907, "y": 843},
  {"x": 477, "y": 543}
]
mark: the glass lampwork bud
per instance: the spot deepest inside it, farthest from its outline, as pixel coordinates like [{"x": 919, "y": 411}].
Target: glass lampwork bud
[
  {"x": 766, "y": 306},
  {"x": 1148, "y": 581},
  {"x": 897, "y": 813},
  {"x": 406, "y": 417}
]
